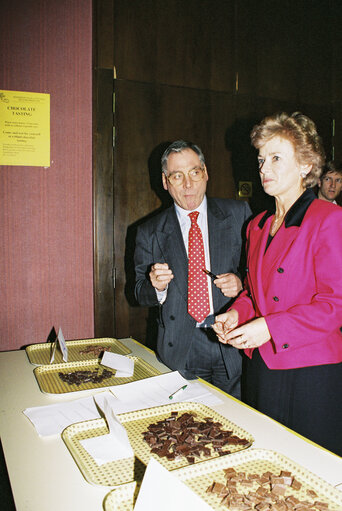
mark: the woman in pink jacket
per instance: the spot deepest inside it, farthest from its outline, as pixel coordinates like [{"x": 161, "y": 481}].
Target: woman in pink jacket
[{"x": 288, "y": 319}]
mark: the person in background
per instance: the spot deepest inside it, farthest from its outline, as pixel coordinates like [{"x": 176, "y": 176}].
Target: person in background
[
  {"x": 330, "y": 183},
  {"x": 288, "y": 318},
  {"x": 166, "y": 271}
]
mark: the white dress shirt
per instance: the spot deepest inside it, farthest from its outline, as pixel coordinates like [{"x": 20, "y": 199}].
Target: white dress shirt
[{"x": 185, "y": 224}]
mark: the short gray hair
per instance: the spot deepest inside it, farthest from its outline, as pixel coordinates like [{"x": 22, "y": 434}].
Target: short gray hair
[{"x": 177, "y": 147}]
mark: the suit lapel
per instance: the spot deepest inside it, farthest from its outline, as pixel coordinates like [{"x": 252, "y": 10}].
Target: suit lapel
[
  {"x": 171, "y": 244},
  {"x": 220, "y": 232},
  {"x": 255, "y": 262},
  {"x": 278, "y": 250},
  {"x": 261, "y": 265}
]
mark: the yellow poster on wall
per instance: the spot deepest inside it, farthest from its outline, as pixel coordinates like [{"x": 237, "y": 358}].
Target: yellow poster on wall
[{"x": 24, "y": 128}]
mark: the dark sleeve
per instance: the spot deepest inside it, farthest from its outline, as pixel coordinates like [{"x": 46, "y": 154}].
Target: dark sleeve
[{"x": 144, "y": 292}]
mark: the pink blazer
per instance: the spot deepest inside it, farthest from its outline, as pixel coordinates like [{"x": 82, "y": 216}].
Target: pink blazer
[{"x": 297, "y": 284}]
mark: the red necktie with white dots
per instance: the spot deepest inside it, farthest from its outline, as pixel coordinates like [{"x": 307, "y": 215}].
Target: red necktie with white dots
[{"x": 198, "y": 295}]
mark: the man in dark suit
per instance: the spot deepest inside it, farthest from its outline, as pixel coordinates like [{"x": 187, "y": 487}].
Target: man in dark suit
[{"x": 161, "y": 264}]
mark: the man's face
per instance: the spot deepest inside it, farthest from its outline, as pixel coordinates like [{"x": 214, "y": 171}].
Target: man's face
[
  {"x": 188, "y": 194},
  {"x": 330, "y": 186}
]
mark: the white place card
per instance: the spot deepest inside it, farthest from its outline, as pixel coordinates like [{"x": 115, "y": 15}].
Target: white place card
[
  {"x": 111, "y": 447},
  {"x": 124, "y": 366},
  {"x": 62, "y": 345},
  {"x": 162, "y": 490}
]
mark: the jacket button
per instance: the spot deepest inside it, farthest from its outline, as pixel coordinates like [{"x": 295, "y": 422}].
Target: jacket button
[
  {"x": 285, "y": 346},
  {"x": 280, "y": 270},
  {"x": 170, "y": 344},
  {"x": 276, "y": 299},
  {"x": 172, "y": 318}
]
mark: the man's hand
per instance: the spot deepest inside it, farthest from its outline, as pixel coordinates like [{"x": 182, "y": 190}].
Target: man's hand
[
  {"x": 160, "y": 276},
  {"x": 229, "y": 284}
]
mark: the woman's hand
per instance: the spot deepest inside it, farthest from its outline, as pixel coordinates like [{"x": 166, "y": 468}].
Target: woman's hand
[
  {"x": 224, "y": 323},
  {"x": 250, "y": 335}
]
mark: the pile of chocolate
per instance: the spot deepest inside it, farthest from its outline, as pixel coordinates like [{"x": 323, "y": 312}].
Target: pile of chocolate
[
  {"x": 184, "y": 437},
  {"x": 265, "y": 492},
  {"x": 95, "y": 350},
  {"x": 79, "y": 377}
]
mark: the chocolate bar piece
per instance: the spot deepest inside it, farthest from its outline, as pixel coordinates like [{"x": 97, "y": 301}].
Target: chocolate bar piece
[{"x": 184, "y": 436}]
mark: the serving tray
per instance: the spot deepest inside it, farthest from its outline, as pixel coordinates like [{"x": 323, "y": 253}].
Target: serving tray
[
  {"x": 49, "y": 381},
  {"x": 122, "y": 498},
  {"x": 113, "y": 473},
  {"x": 258, "y": 461},
  {"x": 253, "y": 461},
  {"x": 135, "y": 423},
  {"x": 40, "y": 354}
]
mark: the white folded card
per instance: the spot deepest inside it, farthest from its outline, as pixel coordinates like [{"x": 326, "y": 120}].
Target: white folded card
[
  {"x": 162, "y": 490},
  {"x": 124, "y": 366},
  {"x": 111, "y": 447}
]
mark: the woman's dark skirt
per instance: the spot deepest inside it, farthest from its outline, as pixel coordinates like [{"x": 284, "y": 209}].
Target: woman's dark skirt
[{"x": 307, "y": 400}]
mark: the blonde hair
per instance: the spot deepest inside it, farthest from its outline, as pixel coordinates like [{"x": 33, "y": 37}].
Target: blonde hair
[{"x": 302, "y": 132}]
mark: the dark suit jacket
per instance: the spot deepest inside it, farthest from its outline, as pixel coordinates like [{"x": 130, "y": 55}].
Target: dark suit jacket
[{"x": 160, "y": 240}]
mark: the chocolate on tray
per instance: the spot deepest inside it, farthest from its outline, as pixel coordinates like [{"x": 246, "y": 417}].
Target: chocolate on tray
[
  {"x": 184, "y": 436},
  {"x": 79, "y": 377},
  {"x": 266, "y": 492},
  {"x": 94, "y": 349}
]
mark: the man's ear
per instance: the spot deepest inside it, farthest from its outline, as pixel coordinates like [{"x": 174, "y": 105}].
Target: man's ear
[{"x": 164, "y": 181}]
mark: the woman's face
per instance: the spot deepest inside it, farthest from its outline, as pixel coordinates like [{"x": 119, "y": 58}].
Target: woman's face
[{"x": 279, "y": 169}]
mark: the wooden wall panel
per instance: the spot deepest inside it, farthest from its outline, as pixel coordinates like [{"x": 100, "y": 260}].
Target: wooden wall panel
[
  {"x": 103, "y": 208},
  {"x": 175, "y": 42},
  {"x": 284, "y": 49},
  {"x": 46, "y": 262}
]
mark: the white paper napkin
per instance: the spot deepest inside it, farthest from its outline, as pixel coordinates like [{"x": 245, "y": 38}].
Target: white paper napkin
[
  {"x": 52, "y": 419},
  {"x": 155, "y": 391}
]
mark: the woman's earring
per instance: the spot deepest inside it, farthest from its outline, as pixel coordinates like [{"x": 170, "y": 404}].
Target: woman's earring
[{"x": 302, "y": 174}]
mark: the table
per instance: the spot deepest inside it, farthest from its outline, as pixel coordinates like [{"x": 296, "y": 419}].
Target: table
[{"x": 43, "y": 474}]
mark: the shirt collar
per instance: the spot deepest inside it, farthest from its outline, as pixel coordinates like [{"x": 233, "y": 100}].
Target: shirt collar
[
  {"x": 182, "y": 214},
  {"x": 295, "y": 214}
]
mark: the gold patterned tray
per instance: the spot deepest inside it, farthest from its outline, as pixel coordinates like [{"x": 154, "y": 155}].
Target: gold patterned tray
[
  {"x": 40, "y": 354},
  {"x": 122, "y": 498},
  {"x": 109, "y": 474},
  {"x": 254, "y": 461},
  {"x": 137, "y": 422},
  {"x": 258, "y": 461},
  {"x": 50, "y": 382}
]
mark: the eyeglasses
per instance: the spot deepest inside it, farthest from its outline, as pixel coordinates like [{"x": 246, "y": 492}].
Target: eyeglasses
[{"x": 177, "y": 178}]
